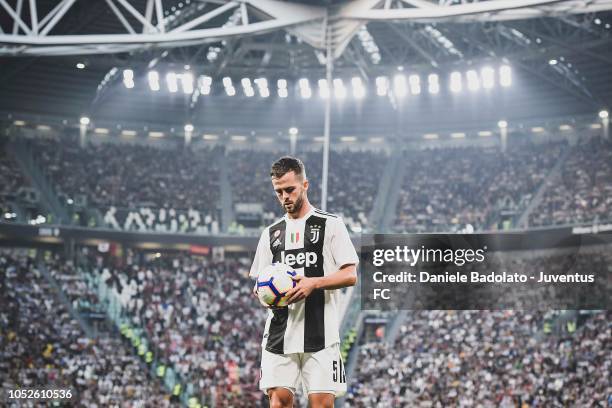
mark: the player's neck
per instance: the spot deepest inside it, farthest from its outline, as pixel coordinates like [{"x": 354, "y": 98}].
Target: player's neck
[{"x": 306, "y": 207}]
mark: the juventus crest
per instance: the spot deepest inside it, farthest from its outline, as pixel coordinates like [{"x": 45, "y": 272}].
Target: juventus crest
[{"x": 314, "y": 233}]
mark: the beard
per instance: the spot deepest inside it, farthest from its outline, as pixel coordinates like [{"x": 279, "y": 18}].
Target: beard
[{"x": 296, "y": 206}]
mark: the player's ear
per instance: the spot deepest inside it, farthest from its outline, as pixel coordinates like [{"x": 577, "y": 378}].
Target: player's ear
[{"x": 305, "y": 184}]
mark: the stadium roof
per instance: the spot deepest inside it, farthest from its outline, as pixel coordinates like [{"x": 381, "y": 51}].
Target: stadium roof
[{"x": 560, "y": 54}]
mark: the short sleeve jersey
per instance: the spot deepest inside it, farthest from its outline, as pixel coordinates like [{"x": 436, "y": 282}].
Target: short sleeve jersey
[{"x": 315, "y": 245}]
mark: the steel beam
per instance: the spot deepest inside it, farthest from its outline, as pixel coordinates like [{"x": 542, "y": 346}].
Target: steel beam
[{"x": 16, "y": 18}]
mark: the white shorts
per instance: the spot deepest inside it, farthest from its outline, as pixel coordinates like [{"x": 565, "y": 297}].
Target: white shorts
[{"x": 320, "y": 372}]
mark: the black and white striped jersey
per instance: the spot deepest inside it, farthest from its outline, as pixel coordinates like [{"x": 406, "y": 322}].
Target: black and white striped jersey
[{"x": 316, "y": 245}]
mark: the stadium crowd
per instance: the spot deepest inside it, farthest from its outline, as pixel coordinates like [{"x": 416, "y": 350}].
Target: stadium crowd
[
  {"x": 485, "y": 359},
  {"x": 443, "y": 189},
  {"x": 447, "y": 189},
  {"x": 200, "y": 316},
  {"x": 354, "y": 176},
  {"x": 43, "y": 347},
  {"x": 582, "y": 193},
  {"x": 131, "y": 175},
  {"x": 12, "y": 181}
]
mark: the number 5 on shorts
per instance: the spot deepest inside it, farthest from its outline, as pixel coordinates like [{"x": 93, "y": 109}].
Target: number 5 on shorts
[{"x": 338, "y": 371}]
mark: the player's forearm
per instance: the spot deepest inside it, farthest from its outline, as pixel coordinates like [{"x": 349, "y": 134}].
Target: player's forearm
[{"x": 346, "y": 276}]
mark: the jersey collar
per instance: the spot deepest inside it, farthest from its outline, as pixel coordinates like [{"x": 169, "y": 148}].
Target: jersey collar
[{"x": 308, "y": 214}]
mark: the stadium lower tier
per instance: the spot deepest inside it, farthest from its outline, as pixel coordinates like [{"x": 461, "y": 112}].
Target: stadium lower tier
[{"x": 161, "y": 329}]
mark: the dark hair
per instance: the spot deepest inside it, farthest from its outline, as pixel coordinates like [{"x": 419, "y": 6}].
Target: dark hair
[{"x": 286, "y": 164}]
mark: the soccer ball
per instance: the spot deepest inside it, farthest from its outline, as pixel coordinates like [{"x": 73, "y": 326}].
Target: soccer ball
[{"x": 273, "y": 283}]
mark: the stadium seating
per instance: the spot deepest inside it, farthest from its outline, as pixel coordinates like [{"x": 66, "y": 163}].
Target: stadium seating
[
  {"x": 131, "y": 176},
  {"x": 484, "y": 358},
  {"x": 353, "y": 181},
  {"x": 583, "y": 192},
  {"x": 143, "y": 187},
  {"x": 199, "y": 316},
  {"x": 449, "y": 189},
  {"x": 43, "y": 347}
]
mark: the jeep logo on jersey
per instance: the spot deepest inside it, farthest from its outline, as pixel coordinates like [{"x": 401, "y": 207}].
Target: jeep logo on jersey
[
  {"x": 314, "y": 233},
  {"x": 297, "y": 258}
]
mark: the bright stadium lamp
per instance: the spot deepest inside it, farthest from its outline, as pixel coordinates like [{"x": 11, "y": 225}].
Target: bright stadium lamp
[
  {"x": 84, "y": 121},
  {"x": 455, "y": 82},
  {"x": 604, "y": 114},
  {"x": 153, "y": 77},
  {"x": 399, "y": 85},
  {"x": 434, "y": 84},
  {"x": 172, "y": 82},
  {"x": 502, "y": 124},
  {"x": 293, "y": 130},
  {"x": 189, "y": 127},
  {"x": 505, "y": 76}
]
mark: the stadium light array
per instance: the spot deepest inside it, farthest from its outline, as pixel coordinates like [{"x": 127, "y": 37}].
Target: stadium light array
[
  {"x": 262, "y": 87},
  {"x": 187, "y": 82},
  {"x": 293, "y": 131},
  {"x": 80, "y": 65},
  {"x": 281, "y": 84},
  {"x": 128, "y": 78},
  {"x": 84, "y": 121},
  {"x": 399, "y": 85},
  {"x": 433, "y": 84},
  {"x": 456, "y": 84},
  {"x": 172, "y": 82},
  {"x": 505, "y": 76},
  {"x": 487, "y": 75},
  {"x": 305, "y": 91},
  {"x": 153, "y": 78},
  {"x": 339, "y": 89},
  {"x": 247, "y": 87},
  {"x": 502, "y": 124},
  {"x": 473, "y": 82},
  {"x": 204, "y": 84},
  {"x": 358, "y": 88},
  {"x": 188, "y": 127},
  {"x": 323, "y": 89},
  {"x": 604, "y": 114},
  {"x": 415, "y": 84},
  {"x": 382, "y": 85},
  {"x": 229, "y": 87}
]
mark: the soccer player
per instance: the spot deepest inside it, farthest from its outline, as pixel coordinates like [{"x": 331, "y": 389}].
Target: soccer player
[{"x": 301, "y": 341}]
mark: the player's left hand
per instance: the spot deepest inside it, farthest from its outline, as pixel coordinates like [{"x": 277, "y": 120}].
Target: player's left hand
[{"x": 302, "y": 290}]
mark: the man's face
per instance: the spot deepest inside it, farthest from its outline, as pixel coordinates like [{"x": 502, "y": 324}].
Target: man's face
[{"x": 290, "y": 191}]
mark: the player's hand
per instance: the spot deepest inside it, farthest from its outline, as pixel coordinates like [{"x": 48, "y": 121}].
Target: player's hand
[{"x": 302, "y": 290}]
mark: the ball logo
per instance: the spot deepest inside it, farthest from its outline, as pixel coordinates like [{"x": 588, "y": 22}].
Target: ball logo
[{"x": 299, "y": 259}]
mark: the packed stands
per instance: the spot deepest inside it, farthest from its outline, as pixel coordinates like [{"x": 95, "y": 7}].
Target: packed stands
[
  {"x": 353, "y": 181},
  {"x": 199, "y": 316},
  {"x": 583, "y": 191},
  {"x": 449, "y": 189},
  {"x": 43, "y": 347},
  {"x": 132, "y": 176},
  {"x": 485, "y": 358}
]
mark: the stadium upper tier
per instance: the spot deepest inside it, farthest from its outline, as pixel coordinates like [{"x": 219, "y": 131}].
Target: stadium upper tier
[{"x": 172, "y": 188}]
